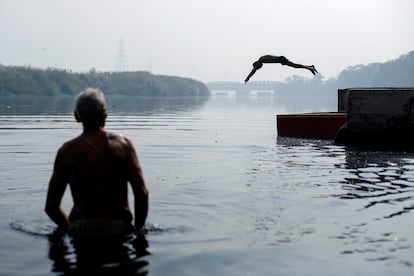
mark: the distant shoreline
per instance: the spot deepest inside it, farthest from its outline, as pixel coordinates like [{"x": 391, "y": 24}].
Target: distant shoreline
[{"x": 18, "y": 81}]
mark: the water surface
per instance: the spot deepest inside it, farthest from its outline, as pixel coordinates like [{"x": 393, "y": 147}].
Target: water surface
[{"x": 227, "y": 197}]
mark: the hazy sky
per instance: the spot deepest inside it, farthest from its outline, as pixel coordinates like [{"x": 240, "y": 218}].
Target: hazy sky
[{"x": 207, "y": 40}]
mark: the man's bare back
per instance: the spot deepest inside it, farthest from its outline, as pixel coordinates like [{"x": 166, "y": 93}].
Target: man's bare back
[{"x": 94, "y": 163}]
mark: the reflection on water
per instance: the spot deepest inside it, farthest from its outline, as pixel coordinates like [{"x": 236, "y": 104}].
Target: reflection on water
[
  {"x": 117, "y": 105},
  {"x": 98, "y": 255},
  {"x": 375, "y": 192},
  {"x": 380, "y": 178},
  {"x": 383, "y": 183}
]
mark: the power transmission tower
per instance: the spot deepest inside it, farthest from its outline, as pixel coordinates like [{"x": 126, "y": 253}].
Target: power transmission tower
[{"x": 120, "y": 57}]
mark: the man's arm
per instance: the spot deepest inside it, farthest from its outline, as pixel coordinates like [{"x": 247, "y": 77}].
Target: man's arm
[
  {"x": 57, "y": 186},
  {"x": 250, "y": 75},
  {"x": 138, "y": 187}
]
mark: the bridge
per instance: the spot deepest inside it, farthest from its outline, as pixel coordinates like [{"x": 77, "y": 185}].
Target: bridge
[{"x": 244, "y": 89}]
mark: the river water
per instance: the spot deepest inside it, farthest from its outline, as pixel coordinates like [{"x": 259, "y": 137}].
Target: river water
[{"x": 227, "y": 196}]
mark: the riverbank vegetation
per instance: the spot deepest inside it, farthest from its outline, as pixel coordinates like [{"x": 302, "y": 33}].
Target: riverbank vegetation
[{"x": 19, "y": 80}]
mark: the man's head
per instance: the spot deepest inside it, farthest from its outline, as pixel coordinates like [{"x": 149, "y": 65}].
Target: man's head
[{"x": 91, "y": 109}]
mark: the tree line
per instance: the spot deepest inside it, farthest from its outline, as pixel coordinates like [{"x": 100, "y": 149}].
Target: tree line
[
  {"x": 18, "y": 80},
  {"x": 24, "y": 80},
  {"x": 393, "y": 73}
]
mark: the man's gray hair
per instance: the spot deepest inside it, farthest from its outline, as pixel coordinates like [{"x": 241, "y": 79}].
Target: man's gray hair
[{"x": 90, "y": 106}]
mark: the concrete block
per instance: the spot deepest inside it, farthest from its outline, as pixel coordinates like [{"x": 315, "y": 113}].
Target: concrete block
[{"x": 375, "y": 114}]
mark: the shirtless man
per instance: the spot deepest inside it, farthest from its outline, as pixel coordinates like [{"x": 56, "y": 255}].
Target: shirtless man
[
  {"x": 277, "y": 59},
  {"x": 97, "y": 165}
]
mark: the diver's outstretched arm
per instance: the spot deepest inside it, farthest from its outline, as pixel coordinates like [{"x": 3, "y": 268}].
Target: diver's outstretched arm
[{"x": 250, "y": 75}]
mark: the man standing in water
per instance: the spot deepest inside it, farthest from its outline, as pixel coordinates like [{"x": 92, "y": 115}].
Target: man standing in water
[{"x": 97, "y": 165}]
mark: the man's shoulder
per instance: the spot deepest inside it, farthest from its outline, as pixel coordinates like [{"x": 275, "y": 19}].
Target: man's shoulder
[
  {"x": 70, "y": 144},
  {"x": 120, "y": 145},
  {"x": 115, "y": 136},
  {"x": 119, "y": 139},
  {"x": 68, "y": 150}
]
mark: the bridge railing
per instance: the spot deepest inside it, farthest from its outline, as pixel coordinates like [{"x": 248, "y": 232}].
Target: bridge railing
[{"x": 242, "y": 87}]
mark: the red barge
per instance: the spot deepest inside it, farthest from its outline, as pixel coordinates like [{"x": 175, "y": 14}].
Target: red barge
[{"x": 320, "y": 125}]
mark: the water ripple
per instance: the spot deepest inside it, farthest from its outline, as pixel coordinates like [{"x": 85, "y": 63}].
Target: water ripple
[{"x": 381, "y": 182}]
